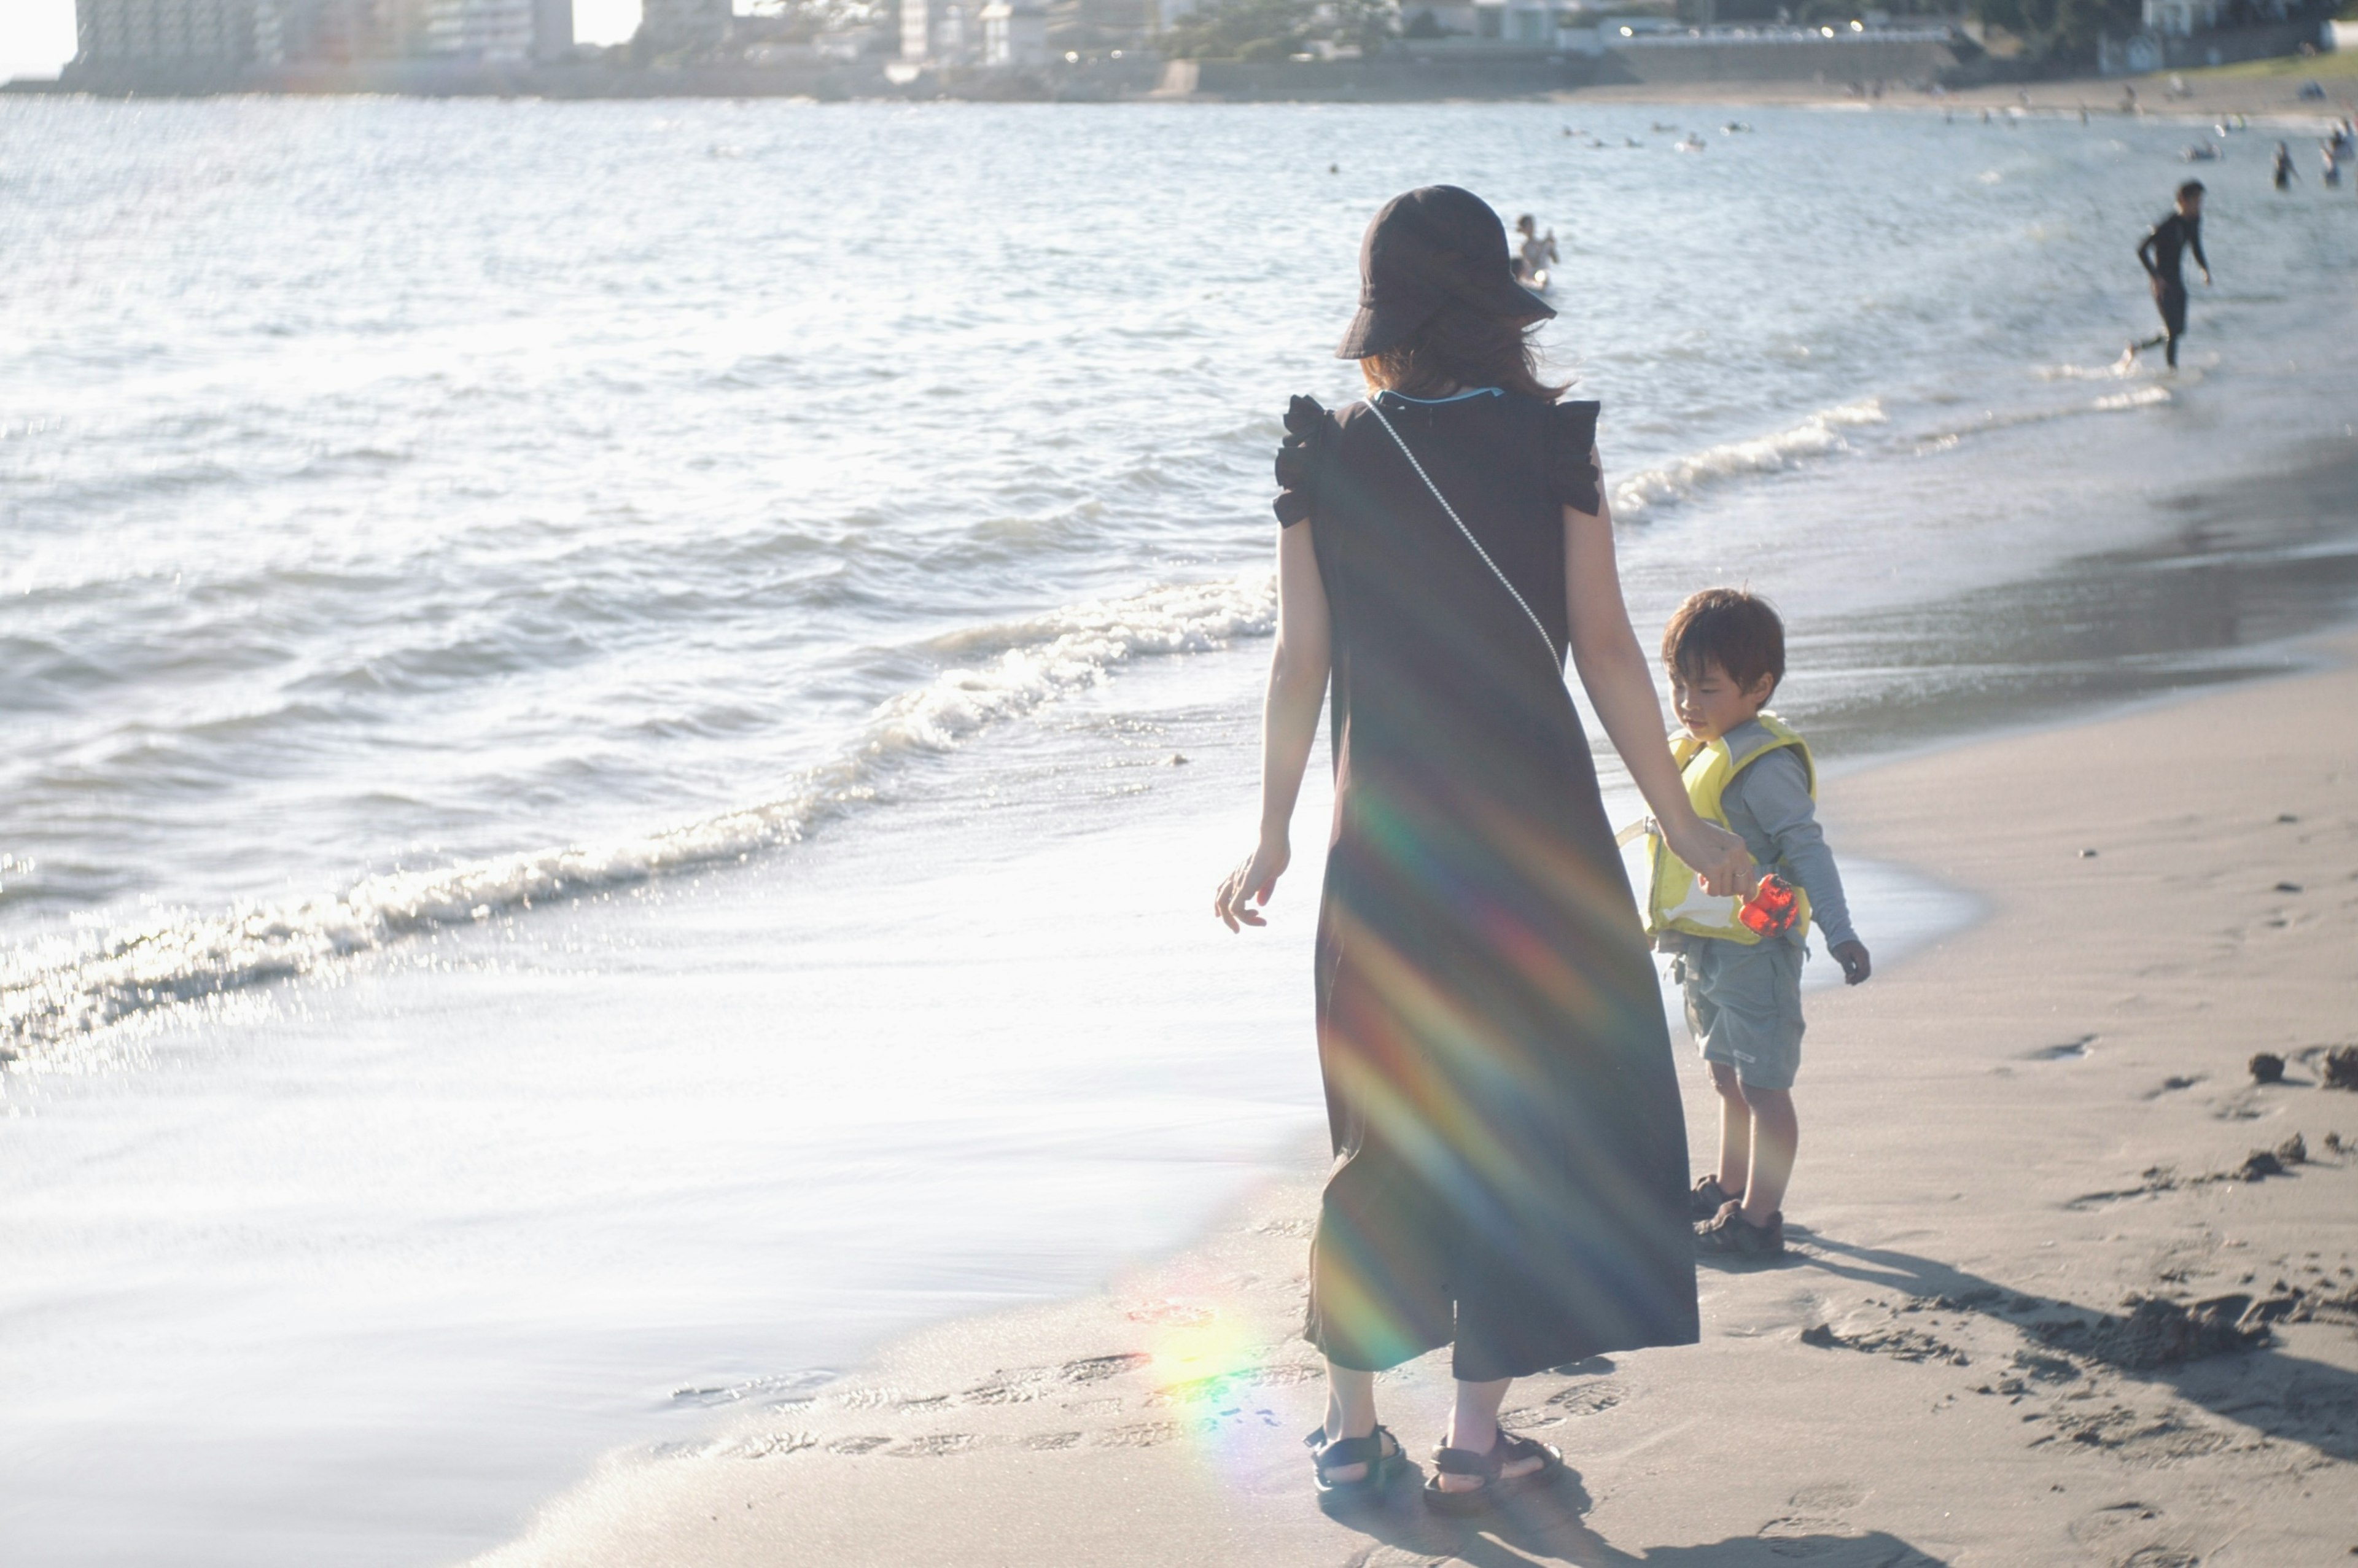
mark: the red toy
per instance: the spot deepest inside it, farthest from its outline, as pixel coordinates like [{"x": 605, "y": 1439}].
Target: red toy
[{"x": 1772, "y": 906}]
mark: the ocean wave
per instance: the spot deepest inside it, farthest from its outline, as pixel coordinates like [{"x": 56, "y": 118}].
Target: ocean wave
[
  {"x": 2012, "y": 418},
  {"x": 1816, "y": 435},
  {"x": 1001, "y": 671}
]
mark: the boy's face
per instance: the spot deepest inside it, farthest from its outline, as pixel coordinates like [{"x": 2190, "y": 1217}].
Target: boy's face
[{"x": 1712, "y": 704}]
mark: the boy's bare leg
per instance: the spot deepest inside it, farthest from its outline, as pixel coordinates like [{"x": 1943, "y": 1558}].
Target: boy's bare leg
[
  {"x": 1775, "y": 1135},
  {"x": 1474, "y": 1424},
  {"x": 1734, "y": 1129},
  {"x": 1350, "y": 1412}
]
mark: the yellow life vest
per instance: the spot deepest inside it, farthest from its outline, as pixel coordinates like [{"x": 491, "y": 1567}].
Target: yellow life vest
[{"x": 1675, "y": 900}]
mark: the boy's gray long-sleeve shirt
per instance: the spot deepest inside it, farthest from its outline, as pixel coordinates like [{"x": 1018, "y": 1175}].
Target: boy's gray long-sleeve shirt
[{"x": 1768, "y": 806}]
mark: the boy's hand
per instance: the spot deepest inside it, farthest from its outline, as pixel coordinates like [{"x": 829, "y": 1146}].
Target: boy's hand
[{"x": 1851, "y": 957}]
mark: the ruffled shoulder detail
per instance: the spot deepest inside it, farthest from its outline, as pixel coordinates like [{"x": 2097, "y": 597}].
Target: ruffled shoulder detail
[
  {"x": 1301, "y": 459},
  {"x": 1572, "y": 472}
]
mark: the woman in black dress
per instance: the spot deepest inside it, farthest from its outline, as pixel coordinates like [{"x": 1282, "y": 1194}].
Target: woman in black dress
[{"x": 1509, "y": 1170}]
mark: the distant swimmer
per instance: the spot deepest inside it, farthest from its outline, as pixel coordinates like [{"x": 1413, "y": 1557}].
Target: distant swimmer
[
  {"x": 2282, "y": 174},
  {"x": 2161, "y": 253},
  {"x": 1691, "y": 144},
  {"x": 2330, "y": 158},
  {"x": 1534, "y": 252}
]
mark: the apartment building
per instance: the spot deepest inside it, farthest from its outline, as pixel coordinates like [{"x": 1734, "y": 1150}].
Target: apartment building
[{"x": 217, "y": 34}]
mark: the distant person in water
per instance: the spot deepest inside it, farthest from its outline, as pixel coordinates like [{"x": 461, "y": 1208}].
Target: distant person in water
[
  {"x": 2283, "y": 174},
  {"x": 1535, "y": 252},
  {"x": 2330, "y": 159},
  {"x": 2161, "y": 253}
]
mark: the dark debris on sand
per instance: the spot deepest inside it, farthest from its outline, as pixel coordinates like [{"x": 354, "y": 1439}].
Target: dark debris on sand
[
  {"x": 2157, "y": 1333},
  {"x": 2340, "y": 1068},
  {"x": 2267, "y": 1067},
  {"x": 2262, "y": 1164}
]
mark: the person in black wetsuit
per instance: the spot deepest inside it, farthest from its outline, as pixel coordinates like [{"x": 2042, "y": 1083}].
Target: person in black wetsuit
[{"x": 2161, "y": 253}]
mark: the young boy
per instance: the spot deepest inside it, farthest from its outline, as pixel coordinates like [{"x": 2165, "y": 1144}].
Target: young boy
[{"x": 1749, "y": 772}]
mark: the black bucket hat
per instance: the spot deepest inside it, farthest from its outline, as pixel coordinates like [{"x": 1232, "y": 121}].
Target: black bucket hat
[{"x": 1429, "y": 247}]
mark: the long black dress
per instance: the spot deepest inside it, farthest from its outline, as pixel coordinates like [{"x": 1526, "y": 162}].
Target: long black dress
[{"x": 1509, "y": 1150}]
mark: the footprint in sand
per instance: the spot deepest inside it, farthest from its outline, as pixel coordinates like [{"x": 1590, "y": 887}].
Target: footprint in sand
[
  {"x": 1587, "y": 1398},
  {"x": 1144, "y": 1434},
  {"x": 1817, "y": 1512},
  {"x": 1023, "y": 1384},
  {"x": 2106, "y": 1534}
]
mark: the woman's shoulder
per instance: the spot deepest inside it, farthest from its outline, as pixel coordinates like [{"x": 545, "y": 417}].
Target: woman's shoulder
[
  {"x": 1311, "y": 432},
  {"x": 1568, "y": 446}
]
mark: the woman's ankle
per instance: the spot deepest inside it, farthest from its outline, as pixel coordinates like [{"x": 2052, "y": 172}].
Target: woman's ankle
[{"x": 1489, "y": 1439}]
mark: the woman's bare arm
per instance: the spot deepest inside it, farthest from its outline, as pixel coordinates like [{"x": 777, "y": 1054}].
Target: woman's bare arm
[
  {"x": 1620, "y": 686},
  {"x": 1289, "y": 726}
]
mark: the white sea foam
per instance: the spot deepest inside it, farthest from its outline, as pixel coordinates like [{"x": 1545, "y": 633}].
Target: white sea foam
[
  {"x": 2010, "y": 418},
  {"x": 47, "y": 995},
  {"x": 1814, "y": 436}
]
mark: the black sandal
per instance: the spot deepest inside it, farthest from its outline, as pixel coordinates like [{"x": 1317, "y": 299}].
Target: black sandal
[
  {"x": 1379, "y": 1451},
  {"x": 1489, "y": 1467}
]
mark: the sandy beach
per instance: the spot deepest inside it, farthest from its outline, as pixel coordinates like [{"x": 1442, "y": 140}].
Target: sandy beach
[{"x": 2010, "y": 1140}]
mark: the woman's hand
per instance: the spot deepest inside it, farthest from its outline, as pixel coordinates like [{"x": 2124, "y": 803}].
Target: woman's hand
[
  {"x": 1719, "y": 856},
  {"x": 1253, "y": 882}
]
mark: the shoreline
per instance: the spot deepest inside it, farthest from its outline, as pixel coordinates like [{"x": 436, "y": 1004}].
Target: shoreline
[
  {"x": 2191, "y": 95},
  {"x": 2091, "y": 1116}
]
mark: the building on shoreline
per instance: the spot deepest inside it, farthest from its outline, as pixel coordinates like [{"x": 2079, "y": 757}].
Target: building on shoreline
[
  {"x": 1015, "y": 33},
  {"x": 202, "y": 41},
  {"x": 940, "y": 32},
  {"x": 2182, "y": 34},
  {"x": 674, "y": 27},
  {"x": 208, "y": 34},
  {"x": 498, "y": 31}
]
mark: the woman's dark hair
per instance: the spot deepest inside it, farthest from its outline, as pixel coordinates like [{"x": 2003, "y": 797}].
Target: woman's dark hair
[
  {"x": 1460, "y": 348},
  {"x": 1729, "y": 627}
]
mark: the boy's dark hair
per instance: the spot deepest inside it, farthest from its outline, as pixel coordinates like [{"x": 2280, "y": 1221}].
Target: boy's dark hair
[
  {"x": 2191, "y": 188},
  {"x": 1731, "y": 628}
]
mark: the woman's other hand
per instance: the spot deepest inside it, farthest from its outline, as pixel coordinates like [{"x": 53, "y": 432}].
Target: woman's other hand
[
  {"x": 1251, "y": 883},
  {"x": 1719, "y": 856}
]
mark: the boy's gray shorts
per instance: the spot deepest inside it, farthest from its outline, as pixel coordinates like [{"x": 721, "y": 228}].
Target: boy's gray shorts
[{"x": 1743, "y": 1006}]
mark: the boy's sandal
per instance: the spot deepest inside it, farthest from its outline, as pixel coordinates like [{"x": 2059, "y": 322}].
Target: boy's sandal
[
  {"x": 1490, "y": 1467},
  {"x": 1379, "y": 1451},
  {"x": 1730, "y": 1232},
  {"x": 1708, "y": 1198}
]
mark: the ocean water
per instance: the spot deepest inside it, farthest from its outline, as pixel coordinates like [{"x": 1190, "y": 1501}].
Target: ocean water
[{"x": 621, "y": 717}]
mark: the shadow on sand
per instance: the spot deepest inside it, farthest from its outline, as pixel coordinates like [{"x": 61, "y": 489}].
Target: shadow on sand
[
  {"x": 1543, "y": 1523},
  {"x": 2285, "y": 1397}
]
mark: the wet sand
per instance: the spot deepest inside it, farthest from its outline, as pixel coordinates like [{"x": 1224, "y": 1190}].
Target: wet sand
[
  {"x": 2009, "y": 1139},
  {"x": 2207, "y": 94}
]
